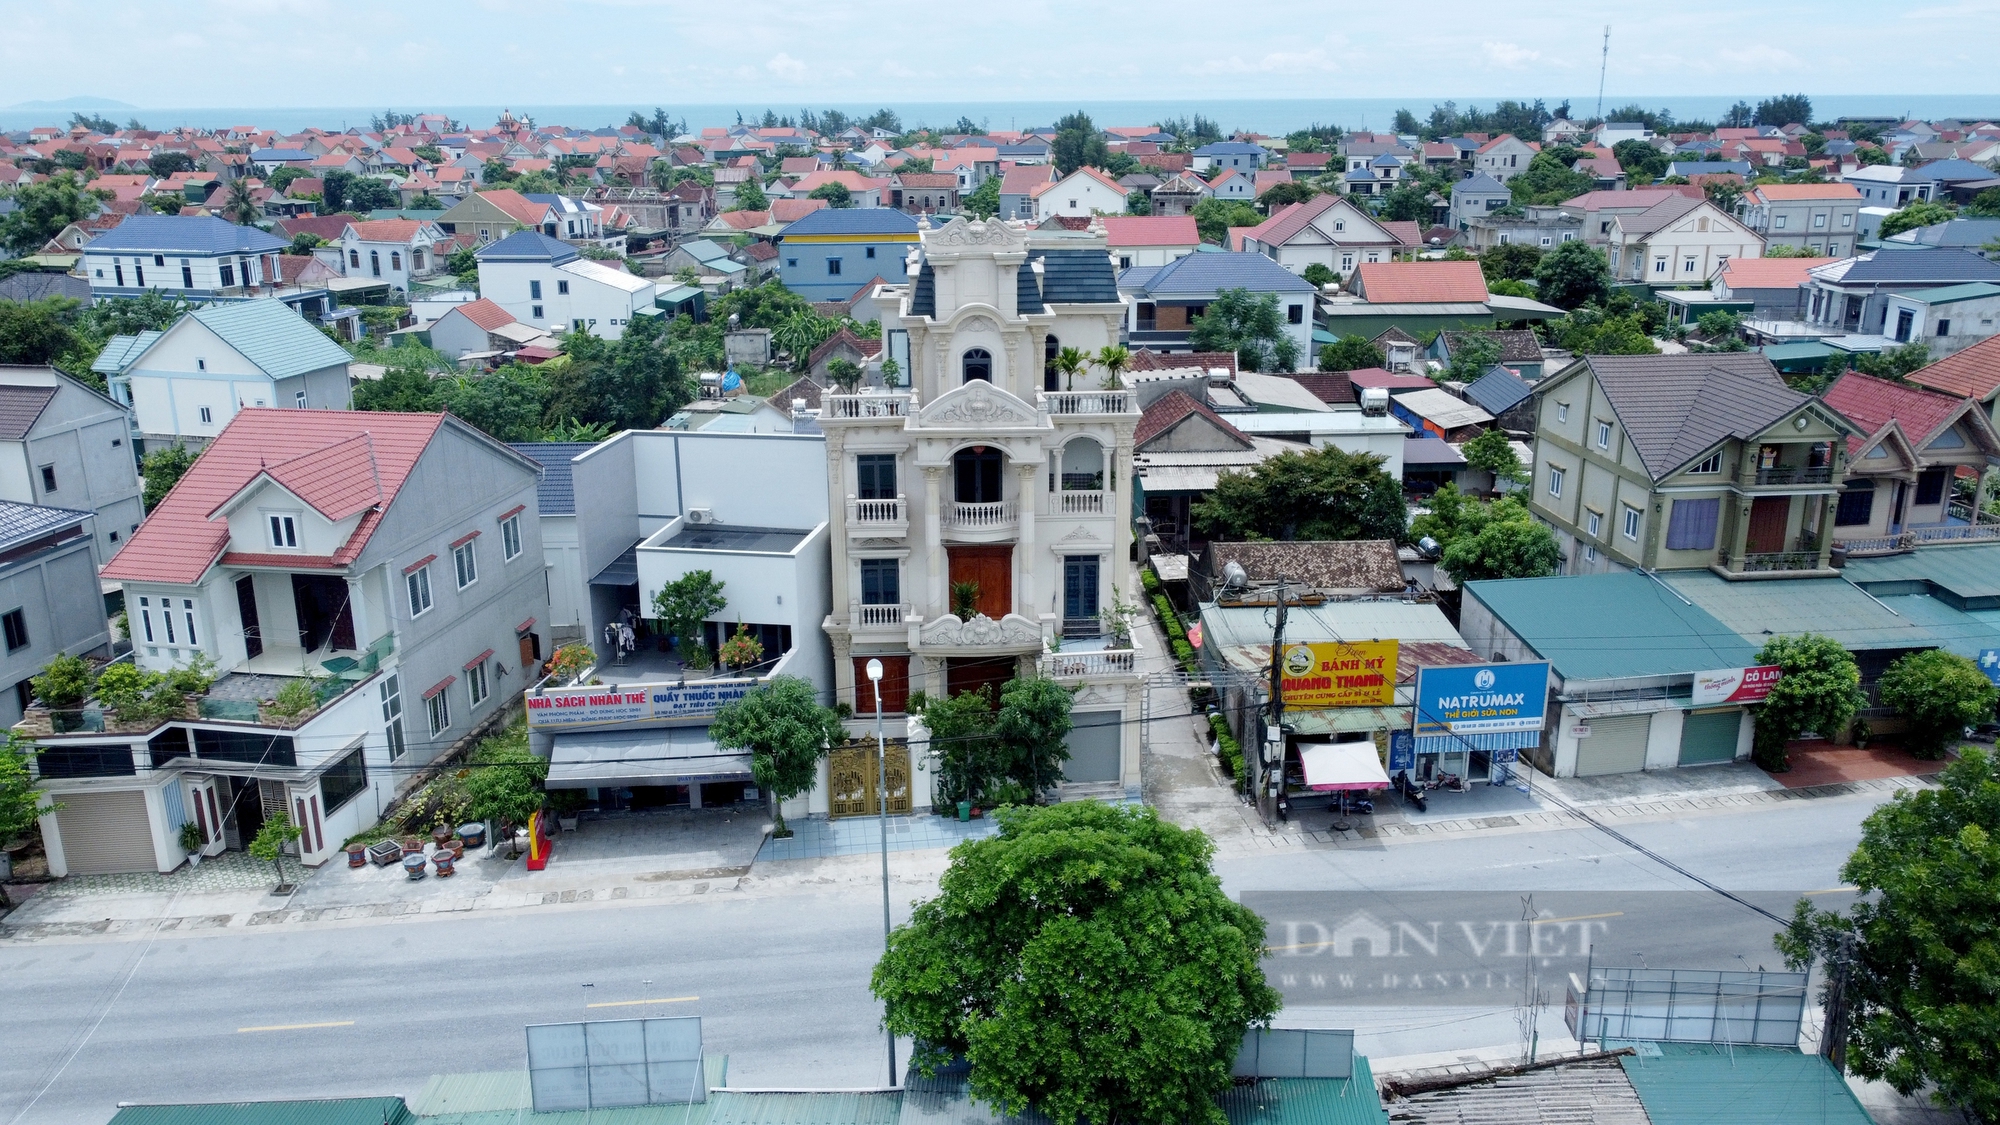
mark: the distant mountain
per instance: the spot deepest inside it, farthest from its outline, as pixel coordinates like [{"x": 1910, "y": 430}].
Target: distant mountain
[{"x": 81, "y": 102}]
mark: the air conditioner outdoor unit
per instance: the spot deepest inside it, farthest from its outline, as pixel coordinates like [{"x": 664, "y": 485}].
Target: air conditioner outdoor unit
[{"x": 701, "y": 515}]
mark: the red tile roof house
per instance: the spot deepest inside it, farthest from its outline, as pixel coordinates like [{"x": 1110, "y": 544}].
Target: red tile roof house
[
  {"x": 392, "y": 562},
  {"x": 1899, "y": 469}
]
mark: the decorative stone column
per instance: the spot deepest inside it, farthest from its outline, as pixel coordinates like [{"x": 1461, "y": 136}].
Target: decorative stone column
[
  {"x": 1025, "y": 560},
  {"x": 843, "y": 666},
  {"x": 836, "y": 506},
  {"x": 934, "y": 558}
]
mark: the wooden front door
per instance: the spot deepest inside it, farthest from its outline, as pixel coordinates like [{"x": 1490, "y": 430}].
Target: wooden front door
[
  {"x": 993, "y": 569},
  {"x": 1768, "y": 516},
  {"x": 895, "y": 685}
]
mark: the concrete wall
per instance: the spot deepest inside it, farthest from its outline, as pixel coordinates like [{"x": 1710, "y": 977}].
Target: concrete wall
[
  {"x": 87, "y": 438},
  {"x": 56, "y": 592}
]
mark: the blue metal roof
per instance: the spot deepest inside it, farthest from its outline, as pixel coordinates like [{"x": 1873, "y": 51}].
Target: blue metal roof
[
  {"x": 556, "y": 495},
  {"x": 1704, "y": 1083},
  {"x": 272, "y": 335},
  {"x": 1708, "y": 168},
  {"x": 203, "y": 235},
  {"x": 1497, "y": 391},
  {"x": 1205, "y": 275},
  {"x": 1947, "y": 265},
  {"x": 528, "y": 246},
  {"x": 853, "y": 220},
  {"x": 1951, "y": 171},
  {"x": 24, "y": 523},
  {"x": 1479, "y": 183},
  {"x": 120, "y": 351},
  {"x": 267, "y": 155}
]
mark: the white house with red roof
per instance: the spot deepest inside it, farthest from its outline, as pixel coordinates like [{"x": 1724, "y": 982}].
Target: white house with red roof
[
  {"x": 1149, "y": 240},
  {"x": 1328, "y": 229},
  {"x": 1085, "y": 192},
  {"x": 1505, "y": 156},
  {"x": 396, "y": 251},
  {"x": 385, "y": 568}
]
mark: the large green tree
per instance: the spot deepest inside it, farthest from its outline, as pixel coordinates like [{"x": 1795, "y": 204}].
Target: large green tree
[
  {"x": 1938, "y": 694},
  {"x": 162, "y": 469},
  {"x": 1407, "y": 203},
  {"x": 1077, "y": 143},
  {"x": 787, "y": 732},
  {"x": 1509, "y": 544},
  {"x": 1785, "y": 109},
  {"x": 20, "y": 795},
  {"x": 1922, "y": 214},
  {"x": 1249, "y": 325},
  {"x": 1918, "y": 954},
  {"x": 750, "y": 197},
  {"x": 1510, "y": 261},
  {"x": 1087, "y": 963},
  {"x": 1327, "y": 493},
  {"x": 504, "y": 779},
  {"x": 1214, "y": 217},
  {"x": 505, "y": 404},
  {"x": 1550, "y": 178},
  {"x": 1350, "y": 353},
  {"x": 36, "y": 332},
  {"x": 1573, "y": 274},
  {"x": 42, "y": 210},
  {"x": 1819, "y": 691},
  {"x": 984, "y": 202},
  {"x": 1032, "y": 730}
]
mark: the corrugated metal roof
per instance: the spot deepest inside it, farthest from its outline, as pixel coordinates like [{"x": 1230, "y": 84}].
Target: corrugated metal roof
[
  {"x": 1564, "y": 619},
  {"x": 1594, "y": 1091},
  {"x": 1307, "y": 1101},
  {"x": 1967, "y": 634},
  {"x": 730, "y": 1108},
  {"x": 327, "y": 1111},
  {"x": 1968, "y": 572},
  {"x": 272, "y": 335},
  {"x": 885, "y": 221},
  {"x": 1205, "y": 275},
  {"x": 1701, "y": 1084},
  {"x": 1789, "y": 606},
  {"x": 20, "y": 523}
]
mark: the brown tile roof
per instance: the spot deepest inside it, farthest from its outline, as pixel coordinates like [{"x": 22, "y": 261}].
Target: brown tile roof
[
  {"x": 932, "y": 180},
  {"x": 1150, "y": 230},
  {"x": 1872, "y": 403},
  {"x": 792, "y": 210},
  {"x": 843, "y": 338},
  {"x": 1022, "y": 179},
  {"x": 761, "y": 251},
  {"x": 516, "y": 206},
  {"x": 485, "y": 314},
  {"x": 1173, "y": 408},
  {"x": 1769, "y": 273},
  {"x": 1332, "y": 389},
  {"x": 20, "y": 406},
  {"x": 1354, "y": 564},
  {"x": 805, "y": 388},
  {"x": 1974, "y": 372},
  {"x": 1675, "y": 407},
  {"x": 1146, "y": 359},
  {"x": 387, "y": 230}
]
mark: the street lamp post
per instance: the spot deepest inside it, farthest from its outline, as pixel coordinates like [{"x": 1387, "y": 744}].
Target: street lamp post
[{"x": 882, "y": 811}]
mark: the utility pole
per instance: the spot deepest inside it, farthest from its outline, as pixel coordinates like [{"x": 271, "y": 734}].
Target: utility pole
[
  {"x": 1833, "y": 1040},
  {"x": 1275, "y": 789},
  {"x": 1603, "y": 65}
]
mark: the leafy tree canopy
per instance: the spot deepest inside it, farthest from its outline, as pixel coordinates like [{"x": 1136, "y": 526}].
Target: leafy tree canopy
[
  {"x": 1409, "y": 203},
  {"x": 1921, "y": 214},
  {"x": 1938, "y": 694},
  {"x": 1786, "y": 109},
  {"x": 42, "y": 210},
  {"x": 1249, "y": 325},
  {"x": 1572, "y": 274},
  {"x": 1214, "y": 217},
  {"x": 984, "y": 202},
  {"x": 1918, "y": 943},
  {"x": 1327, "y": 493},
  {"x": 1319, "y": 274},
  {"x": 1510, "y": 261},
  {"x": 1350, "y": 353},
  {"x": 1551, "y": 178},
  {"x": 750, "y": 197},
  {"x": 1086, "y": 962},
  {"x": 1819, "y": 691},
  {"x": 834, "y": 192},
  {"x": 1896, "y": 364},
  {"x": 162, "y": 469},
  {"x": 1290, "y": 191},
  {"x": 787, "y": 732}
]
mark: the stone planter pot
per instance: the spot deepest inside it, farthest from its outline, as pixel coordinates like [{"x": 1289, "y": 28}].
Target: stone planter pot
[
  {"x": 473, "y": 836},
  {"x": 455, "y": 846},
  {"x": 357, "y": 855},
  {"x": 444, "y": 861},
  {"x": 413, "y": 865}
]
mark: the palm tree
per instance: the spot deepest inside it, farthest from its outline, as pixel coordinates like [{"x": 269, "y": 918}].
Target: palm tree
[
  {"x": 1116, "y": 360},
  {"x": 240, "y": 206},
  {"x": 1072, "y": 362}
]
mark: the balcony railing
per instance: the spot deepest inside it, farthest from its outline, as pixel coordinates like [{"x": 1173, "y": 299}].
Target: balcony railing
[
  {"x": 893, "y": 404},
  {"x": 1919, "y": 536},
  {"x": 1059, "y": 403},
  {"x": 878, "y": 517},
  {"x": 1795, "y": 474},
  {"x": 1066, "y": 664},
  {"x": 878, "y": 616},
  {"x": 1080, "y": 503},
  {"x": 1771, "y": 561},
  {"x": 979, "y": 517}
]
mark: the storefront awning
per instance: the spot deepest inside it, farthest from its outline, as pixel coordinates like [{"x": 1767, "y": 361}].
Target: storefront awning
[
  {"x": 1343, "y": 765},
  {"x": 664, "y": 756},
  {"x": 1347, "y": 720},
  {"x": 1456, "y": 743}
]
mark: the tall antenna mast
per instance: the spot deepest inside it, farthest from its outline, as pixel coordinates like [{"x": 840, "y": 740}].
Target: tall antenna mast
[{"x": 1604, "y": 64}]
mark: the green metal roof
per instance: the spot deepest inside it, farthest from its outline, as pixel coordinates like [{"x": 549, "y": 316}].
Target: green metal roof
[
  {"x": 1951, "y": 294},
  {"x": 1971, "y": 574},
  {"x": 329, "y": 1111},
  {"x": 1760, "y": 610},
  {"x": 1804, "y": 349},
  {"x": 1702, "y": 1084},
  {"x": 1612, "y": 626},
  {"x": 1307, "y": 1101},
  {"x": 1954, "y": 630},
  {"x": 269, "y": 334},
  {"x": 805, "y": 1109}
]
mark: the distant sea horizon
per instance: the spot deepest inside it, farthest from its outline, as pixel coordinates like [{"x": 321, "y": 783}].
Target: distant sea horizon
[{"x": 1268, "y": 115}]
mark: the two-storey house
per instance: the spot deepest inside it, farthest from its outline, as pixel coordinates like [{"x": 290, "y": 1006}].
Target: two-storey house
[
  {"x": 1911, "y": 443},
  {"x": 827, "y": 253},
  {"x": 368, "y": 585},
  {"x": 1328, "y": 229},
  {"x": 1678, "y": 241},
  {"x": 1687, "y": 461},
  {"x": 543, "y": 282},
  {"x": 64, "y": 445},
  {"x": 1853, "y": 295},
  {"x": 398, "y": 251},
  {"x": 1504, "y": 157},
  {"x": 1477, "y": 196},
  {"x": 195, "y": 258},
  {"x": 50, "y": 602},
  {"x": 981, "y": 518},
  {"x": 1165, "y": 302},
  {"x": 1821, "y": 219}
]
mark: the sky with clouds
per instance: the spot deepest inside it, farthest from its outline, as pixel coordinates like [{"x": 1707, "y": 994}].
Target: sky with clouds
[{"x": 849, "y": 52}]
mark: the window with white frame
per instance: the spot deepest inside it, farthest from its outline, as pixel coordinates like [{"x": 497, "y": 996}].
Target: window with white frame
[
  {"x": 1562, "y": 412},
  {"x": 464, "y": 565},
  {"x": 419, "y": 581},
  {"x": 475, "y": 682},
  {"x": 438, "y": 710},
  {"x": 1709, "y": 464},
  {"x": 1631, "y": 522},
  {"x": 1593, "y": 521},
  {"x": 510, "y": 537},
  {"x": 1555, "y": 481},
  {"x": 187, "y": 611},
  {"x": 392, "y": 714},
  {"x": 1603, "y": 434},
  {"x": 284, "y": 532}
]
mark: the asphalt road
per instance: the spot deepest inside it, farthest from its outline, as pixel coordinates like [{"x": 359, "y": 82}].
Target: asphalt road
[{"x": 781, "y": 980}]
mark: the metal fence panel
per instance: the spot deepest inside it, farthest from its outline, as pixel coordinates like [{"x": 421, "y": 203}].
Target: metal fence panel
[
  {"x": 609, "y": 1063},
  {"x": 1689, "y": 1006}
]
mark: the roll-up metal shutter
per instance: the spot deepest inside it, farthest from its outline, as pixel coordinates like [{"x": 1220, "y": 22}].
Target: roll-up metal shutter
[
  {"x": 1095, "y": 751},
  {"x": 1710, "y": 736},
  {"x": 1617, "y": 744},
  {"x": 103, "y": 833}
]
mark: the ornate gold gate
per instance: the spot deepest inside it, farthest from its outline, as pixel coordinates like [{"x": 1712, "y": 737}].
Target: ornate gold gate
[{"x": 853, "y": 774}]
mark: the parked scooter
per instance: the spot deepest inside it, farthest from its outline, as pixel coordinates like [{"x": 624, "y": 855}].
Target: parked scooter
[{"x": 1410, "y": 792}]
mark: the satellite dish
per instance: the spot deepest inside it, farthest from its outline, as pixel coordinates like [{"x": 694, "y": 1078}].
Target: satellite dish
[{"x": 1233, "y": 577}]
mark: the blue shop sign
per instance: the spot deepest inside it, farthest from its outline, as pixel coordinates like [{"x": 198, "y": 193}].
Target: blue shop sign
[{"x": 1482, "y": 698}]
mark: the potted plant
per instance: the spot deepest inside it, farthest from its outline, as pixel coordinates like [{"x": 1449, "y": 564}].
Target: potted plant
[
  {"x": 191, "y": 843},
  {"x": 891, "y": 374},
  {"x": 742, "y": 650},
  {"x": 964, "y": 600},
  {"x": 567, "y": 803},
  {"x": 62, "y": 687}
]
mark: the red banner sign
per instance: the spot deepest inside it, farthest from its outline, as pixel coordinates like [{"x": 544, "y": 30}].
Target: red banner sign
[{"x": 1735, "y": 685}]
